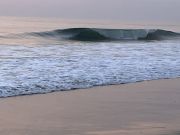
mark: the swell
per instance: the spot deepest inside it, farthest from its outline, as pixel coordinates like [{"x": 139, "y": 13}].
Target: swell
[{"x": 95, "y": 34}]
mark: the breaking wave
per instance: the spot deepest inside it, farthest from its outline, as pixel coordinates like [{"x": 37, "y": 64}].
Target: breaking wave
[
  {"x": 38, "y": 62},
  {"x": 95, "y": 34}
]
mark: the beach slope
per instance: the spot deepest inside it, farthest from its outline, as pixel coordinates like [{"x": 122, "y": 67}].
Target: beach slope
[{"x": 145, "y": 108}]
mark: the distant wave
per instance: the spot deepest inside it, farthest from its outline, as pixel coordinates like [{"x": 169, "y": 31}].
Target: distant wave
[{"x": 95, "y": 34}]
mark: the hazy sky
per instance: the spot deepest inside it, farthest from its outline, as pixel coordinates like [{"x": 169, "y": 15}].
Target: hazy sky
[{"x": 127, "y": 10}]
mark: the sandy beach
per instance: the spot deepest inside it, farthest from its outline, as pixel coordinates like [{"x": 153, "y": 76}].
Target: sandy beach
[{"x": 145, "y": 108}]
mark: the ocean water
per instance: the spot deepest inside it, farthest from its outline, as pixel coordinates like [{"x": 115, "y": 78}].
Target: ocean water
[{"x": 44, "y": 55}]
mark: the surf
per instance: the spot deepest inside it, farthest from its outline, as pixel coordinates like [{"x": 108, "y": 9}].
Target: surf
[{"x": 97, "y": 34}]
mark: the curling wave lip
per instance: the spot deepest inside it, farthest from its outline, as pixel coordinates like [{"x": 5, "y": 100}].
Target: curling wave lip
[{"x": 95, "y": 34}]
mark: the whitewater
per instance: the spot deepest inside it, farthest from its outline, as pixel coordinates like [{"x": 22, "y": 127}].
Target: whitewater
[{"x": 59, "y": 58}]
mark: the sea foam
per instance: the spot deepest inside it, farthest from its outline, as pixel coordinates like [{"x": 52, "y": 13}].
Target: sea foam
[{"x": 72, "y": 65}]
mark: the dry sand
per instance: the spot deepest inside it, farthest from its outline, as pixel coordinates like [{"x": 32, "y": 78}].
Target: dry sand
[{"x": 146, "y": 108}]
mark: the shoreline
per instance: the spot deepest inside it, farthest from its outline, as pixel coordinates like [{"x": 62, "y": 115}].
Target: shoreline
[
  {"x": 147, "y": 108},
  {"x": 88, "y": 88}
]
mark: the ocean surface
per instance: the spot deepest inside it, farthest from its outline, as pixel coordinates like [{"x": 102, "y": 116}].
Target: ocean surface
[{"x": 41, "y": 55}]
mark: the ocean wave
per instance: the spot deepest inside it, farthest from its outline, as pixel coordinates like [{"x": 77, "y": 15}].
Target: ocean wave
[
  {"x": 95, "y": 34},
  {"x": 46, "y": 68}
]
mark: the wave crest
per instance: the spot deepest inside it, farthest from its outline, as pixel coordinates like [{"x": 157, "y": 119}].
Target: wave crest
[{"x": 94, "y": 34}]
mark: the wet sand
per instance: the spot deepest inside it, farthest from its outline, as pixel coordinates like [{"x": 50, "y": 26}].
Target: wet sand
[{"x": 145, "y": 108}]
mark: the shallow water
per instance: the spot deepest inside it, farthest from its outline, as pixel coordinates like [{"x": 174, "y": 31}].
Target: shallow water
[{"x": 32, "y": 65}]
